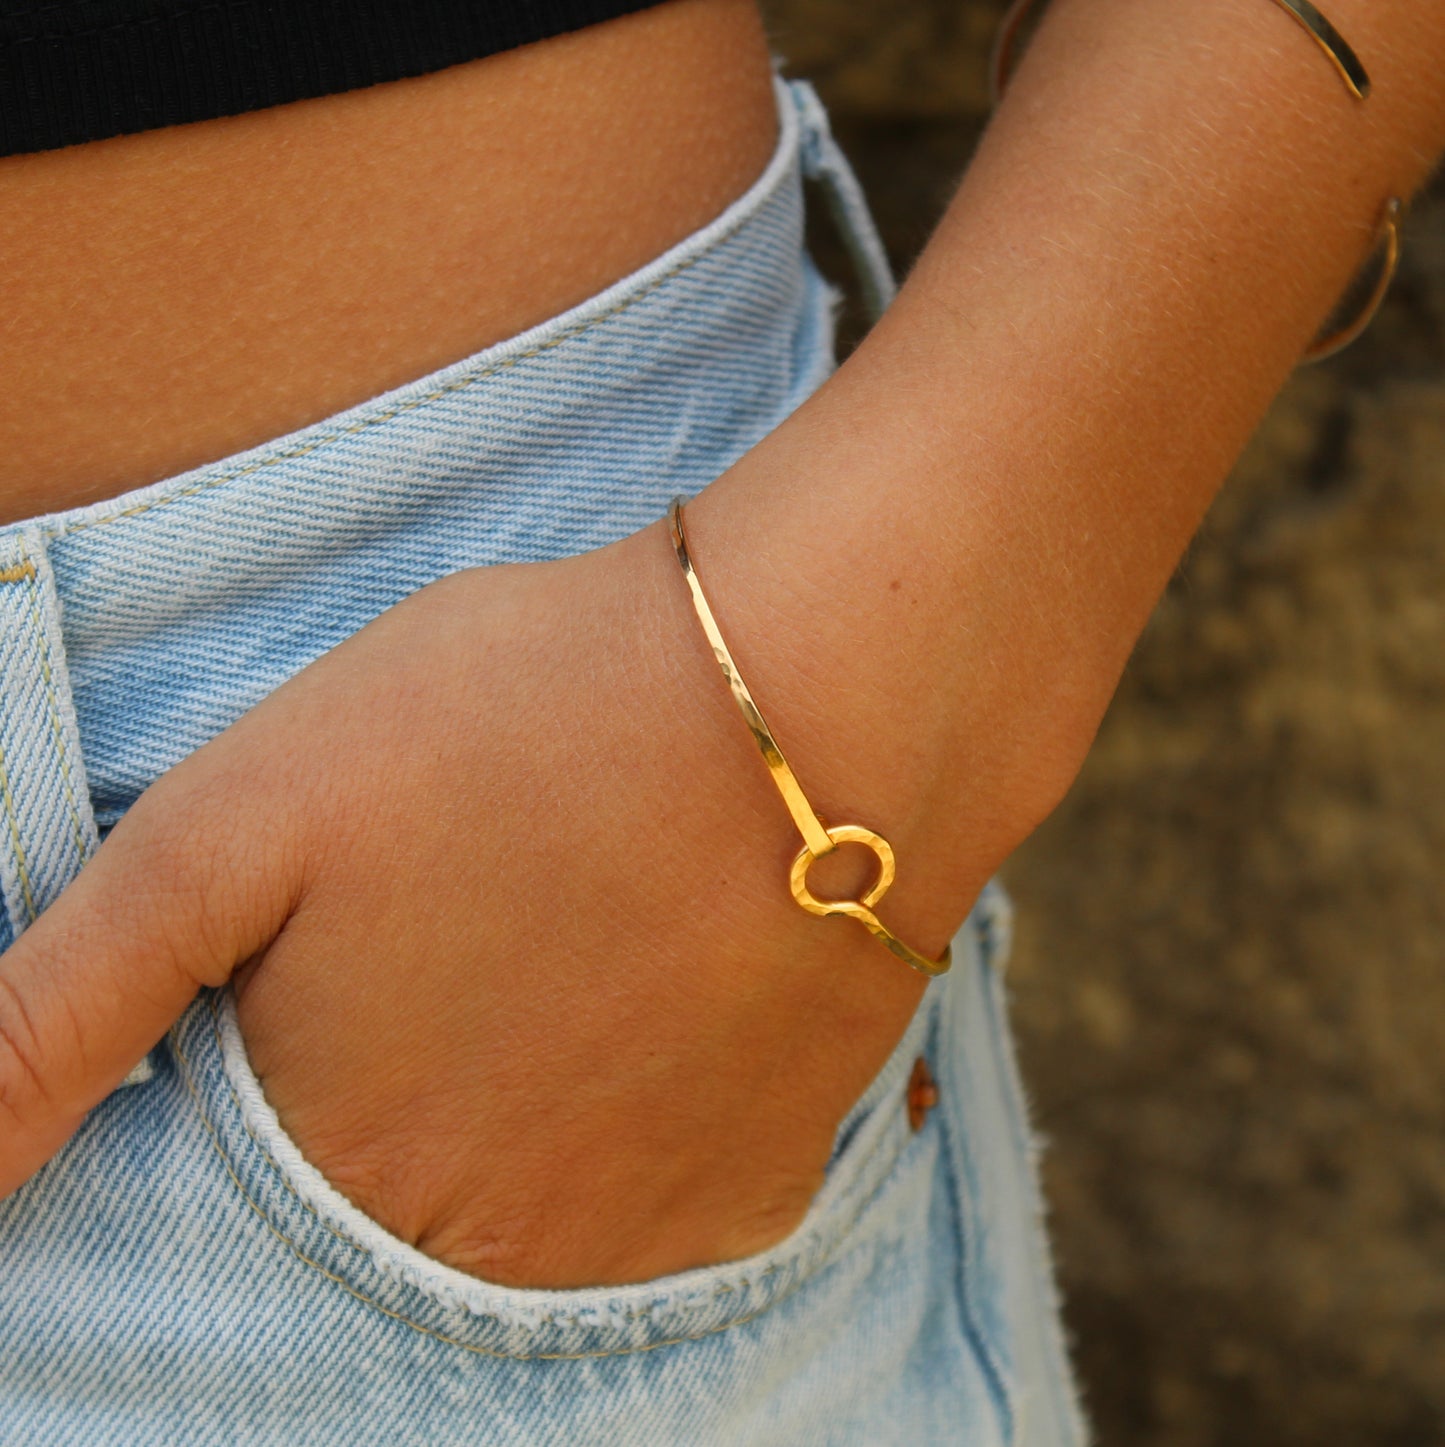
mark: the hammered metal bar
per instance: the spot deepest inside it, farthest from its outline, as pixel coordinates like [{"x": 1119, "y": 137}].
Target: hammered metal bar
[{"x": 818, "y": 839}]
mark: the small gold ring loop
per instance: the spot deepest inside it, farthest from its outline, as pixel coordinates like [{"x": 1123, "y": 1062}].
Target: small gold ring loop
[
  {"x": 860, "y": 909},
  {"x": 843, "y": 834}
]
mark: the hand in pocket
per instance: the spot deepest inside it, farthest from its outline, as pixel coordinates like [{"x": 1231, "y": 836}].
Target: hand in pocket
[{"x": 502, "y": 884}]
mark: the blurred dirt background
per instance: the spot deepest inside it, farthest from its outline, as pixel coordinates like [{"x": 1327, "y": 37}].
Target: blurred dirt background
[{"x": 1228, "y": 981}]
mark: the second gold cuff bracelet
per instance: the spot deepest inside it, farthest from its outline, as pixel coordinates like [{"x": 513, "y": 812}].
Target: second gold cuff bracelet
[
  {"x": 1357, "y": 80},
  {"x": 818, "y": 838}
]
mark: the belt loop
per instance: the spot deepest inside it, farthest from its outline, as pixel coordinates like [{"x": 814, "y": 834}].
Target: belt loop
[{"x": 823, "y": 161}]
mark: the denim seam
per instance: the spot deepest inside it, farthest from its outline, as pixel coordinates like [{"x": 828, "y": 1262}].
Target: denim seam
[
  {"x": 17, "y": 847},
  {"x": 457, "y": 384},
  {"x": 269, "y": 1159},
  {"x": 296, "y": 1250},
  {"x": 1064, "y": 1384},
  {"x": 998, "y": 1377},
  {"x": 17, "y": 573},
  {"x": 47, "y": 673}
]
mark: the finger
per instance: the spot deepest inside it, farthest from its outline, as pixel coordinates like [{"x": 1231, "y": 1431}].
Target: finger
[{"x": 167, "y": 904}]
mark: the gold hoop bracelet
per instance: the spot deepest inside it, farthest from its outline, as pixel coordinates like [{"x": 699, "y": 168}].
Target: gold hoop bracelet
[
  {"x": 818, "y": 838},
  {"x": 1357, "y": 81}
]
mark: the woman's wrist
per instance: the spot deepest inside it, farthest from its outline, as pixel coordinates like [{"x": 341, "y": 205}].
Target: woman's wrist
[
  {"x": 736, "y": 839},
  {"x": 858, "y": 689}
]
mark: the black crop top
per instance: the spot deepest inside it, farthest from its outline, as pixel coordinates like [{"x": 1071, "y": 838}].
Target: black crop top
[{"x": 81, "y": 70}]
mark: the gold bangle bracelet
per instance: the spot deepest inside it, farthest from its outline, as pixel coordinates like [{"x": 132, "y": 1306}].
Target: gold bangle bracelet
[
  {"x": 818, "y": 838},
  {"x": 1334, "y": 45},
  {"x": 1357, "y": 81}
]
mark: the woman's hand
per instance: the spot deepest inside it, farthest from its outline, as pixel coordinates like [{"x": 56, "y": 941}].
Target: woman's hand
[{"x": 502, "y": 882}]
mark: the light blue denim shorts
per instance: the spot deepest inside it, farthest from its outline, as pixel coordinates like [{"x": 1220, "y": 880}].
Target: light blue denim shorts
[{"x": 180, "y": 1274}]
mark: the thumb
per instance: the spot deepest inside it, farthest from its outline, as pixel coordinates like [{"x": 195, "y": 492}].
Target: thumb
[{"x": 168, "y": 903}]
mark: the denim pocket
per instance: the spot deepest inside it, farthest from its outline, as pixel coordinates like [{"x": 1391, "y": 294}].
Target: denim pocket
[
  {"x": 851, "y": 1320},
  {"x": 877, "y": 1155},
  {"x": 179, "y": 1274}
]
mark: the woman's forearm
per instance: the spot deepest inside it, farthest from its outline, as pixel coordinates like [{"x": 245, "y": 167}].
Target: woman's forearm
[{"x": 935, "y": 570}]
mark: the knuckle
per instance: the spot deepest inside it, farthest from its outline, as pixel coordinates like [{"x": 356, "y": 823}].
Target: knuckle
[
  {"x": 22, "y": 1079},
  {"x": 210, "y": 875}
]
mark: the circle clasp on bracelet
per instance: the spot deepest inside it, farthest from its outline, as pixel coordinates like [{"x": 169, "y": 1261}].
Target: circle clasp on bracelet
[{"x": 860, "y": 909}]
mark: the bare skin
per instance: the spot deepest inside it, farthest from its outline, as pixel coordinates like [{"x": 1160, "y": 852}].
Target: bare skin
[
  {"x": 932, "y": 573},
  {"x": 177, "y": 295}
]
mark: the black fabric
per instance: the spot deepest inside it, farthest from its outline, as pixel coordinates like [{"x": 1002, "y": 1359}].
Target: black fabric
[{"x": 81, "y": 70}]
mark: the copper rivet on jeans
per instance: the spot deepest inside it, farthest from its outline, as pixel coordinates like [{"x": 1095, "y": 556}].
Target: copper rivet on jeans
[{"x": 922, "y": 1093}]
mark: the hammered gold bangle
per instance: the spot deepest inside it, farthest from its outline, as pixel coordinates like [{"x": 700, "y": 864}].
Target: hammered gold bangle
[
  {"x": 1357, "y": 81},
  {"x": 818, "y": 838}
]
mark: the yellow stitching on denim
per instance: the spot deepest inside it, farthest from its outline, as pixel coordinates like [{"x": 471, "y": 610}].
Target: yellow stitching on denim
[
  {"x": 16, "y": 573},
  {"x": 33, "y": 595},
  {"x": 15, "y": 843},
  {"x": 456, "y": 385},
  {"x": 360, "y": 1296},
  {"x": 270, "y": 1161}
]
